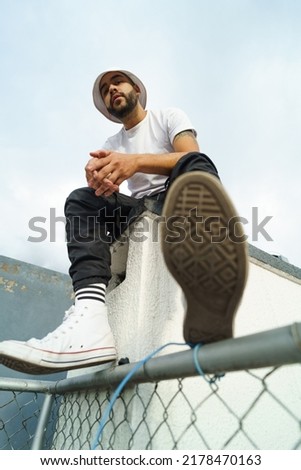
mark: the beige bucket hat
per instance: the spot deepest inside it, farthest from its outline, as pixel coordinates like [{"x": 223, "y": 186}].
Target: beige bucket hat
[{"x": 98, "y": 101}]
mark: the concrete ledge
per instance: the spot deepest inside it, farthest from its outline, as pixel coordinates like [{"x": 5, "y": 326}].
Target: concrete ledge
[
  {"x": 147, "y": 306},
  {"x": 120, "y": 249},
  {"x": 274, "y": 263}
]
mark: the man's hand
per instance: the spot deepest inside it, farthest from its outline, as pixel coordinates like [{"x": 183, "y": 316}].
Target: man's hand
[
  {"x": 105, "y": 187},
  {"x": 106, "y": 170}
]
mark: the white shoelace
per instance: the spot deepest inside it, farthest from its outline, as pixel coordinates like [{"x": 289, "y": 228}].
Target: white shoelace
[{"x": 69, "y": 317}]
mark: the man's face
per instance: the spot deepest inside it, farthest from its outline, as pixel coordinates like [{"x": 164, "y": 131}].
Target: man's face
[{"x": 119, "y": 94}]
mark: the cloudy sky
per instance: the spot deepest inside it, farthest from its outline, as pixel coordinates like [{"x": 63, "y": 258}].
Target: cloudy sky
[{"x": 234, "y": 66}]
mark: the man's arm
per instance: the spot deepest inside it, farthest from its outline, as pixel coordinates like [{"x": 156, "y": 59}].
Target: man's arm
[
  {"x": 162, "y": 164},
  {"x": 108, "y": 169}
]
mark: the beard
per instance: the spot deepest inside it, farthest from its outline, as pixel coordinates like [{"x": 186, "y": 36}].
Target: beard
[{"x": 131, "y": 100}]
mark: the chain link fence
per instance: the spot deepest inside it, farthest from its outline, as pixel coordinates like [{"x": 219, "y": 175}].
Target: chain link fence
[
  {"x": 167, "y": 415},
  {"x": 19, "y": 414},
  {"x": 161, "y": 407}
]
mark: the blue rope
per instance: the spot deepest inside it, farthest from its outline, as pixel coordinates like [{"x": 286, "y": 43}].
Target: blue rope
[
  {"x": 121, "y": 387},
  {"x": 126, "y": 379},
  {"x": 197, "y": 365}
]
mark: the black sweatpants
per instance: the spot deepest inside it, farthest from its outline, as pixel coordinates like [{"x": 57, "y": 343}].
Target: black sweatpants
[{"x": 94, "y": 222}]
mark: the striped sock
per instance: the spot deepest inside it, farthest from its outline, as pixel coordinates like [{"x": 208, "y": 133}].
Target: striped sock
[{"x": 93, "y": 296}]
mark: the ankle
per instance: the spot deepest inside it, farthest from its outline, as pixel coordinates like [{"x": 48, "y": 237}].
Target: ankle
[{"x": 91, "y": 298}]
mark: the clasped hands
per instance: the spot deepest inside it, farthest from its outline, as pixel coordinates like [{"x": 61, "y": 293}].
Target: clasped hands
[{"x": 107, "y": 169}]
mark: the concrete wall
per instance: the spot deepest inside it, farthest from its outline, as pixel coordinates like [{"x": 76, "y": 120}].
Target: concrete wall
[
  {"x": 150, "y": 302},
  {"x": 32, "y": 303}
]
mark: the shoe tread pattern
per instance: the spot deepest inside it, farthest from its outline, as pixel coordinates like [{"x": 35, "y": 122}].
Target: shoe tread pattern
[{"x": 211, "y": 274}]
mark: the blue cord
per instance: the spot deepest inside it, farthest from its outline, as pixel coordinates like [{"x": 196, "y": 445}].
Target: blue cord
[
  {"x": 133, "y": 371},
  {"x": 196, "y": 362},
  {"x": 120, "y": 388},
  {"x": 200, "y": 370}
]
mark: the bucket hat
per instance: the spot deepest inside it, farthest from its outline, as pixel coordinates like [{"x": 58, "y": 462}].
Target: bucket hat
[{"x": 98, "y": 101}]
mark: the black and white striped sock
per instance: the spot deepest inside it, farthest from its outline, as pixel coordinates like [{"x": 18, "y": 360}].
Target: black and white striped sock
[{"x": 92, "y": 296}]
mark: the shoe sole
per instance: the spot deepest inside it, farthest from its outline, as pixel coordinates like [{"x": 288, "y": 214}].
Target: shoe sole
[
  {"x": 53, "y": 363},
  {"x": 205, "y": 254}
]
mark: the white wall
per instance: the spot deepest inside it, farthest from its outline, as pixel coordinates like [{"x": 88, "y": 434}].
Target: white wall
[{"x": 149, "y": 305}]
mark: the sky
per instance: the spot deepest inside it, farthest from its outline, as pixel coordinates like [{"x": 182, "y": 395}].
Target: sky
[{"x": 234, "y": 66}]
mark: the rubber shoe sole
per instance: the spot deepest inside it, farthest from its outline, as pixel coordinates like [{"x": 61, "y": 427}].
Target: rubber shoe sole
[
  {"x": 23, "y": 358},
  {"x": 205, "y": 250}
]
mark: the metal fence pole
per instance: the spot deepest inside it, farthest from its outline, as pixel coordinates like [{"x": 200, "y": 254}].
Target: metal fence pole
[
  {"x": 26, "y": 385},
  {"x": 270, "y": 348},
  {"x": 37, "y": 443}
]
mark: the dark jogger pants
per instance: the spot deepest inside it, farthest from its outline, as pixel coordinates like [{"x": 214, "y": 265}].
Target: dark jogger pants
[{"x": 94, "y": 222}]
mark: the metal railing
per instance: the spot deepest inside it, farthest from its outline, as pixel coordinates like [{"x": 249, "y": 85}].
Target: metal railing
[{"x": 166, "y": 404}]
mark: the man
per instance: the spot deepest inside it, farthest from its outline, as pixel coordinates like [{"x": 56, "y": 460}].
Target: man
[{"x": 203, "y": 244}]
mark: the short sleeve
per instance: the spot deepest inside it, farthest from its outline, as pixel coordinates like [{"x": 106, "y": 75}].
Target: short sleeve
[{"x": 178, "y": 121}]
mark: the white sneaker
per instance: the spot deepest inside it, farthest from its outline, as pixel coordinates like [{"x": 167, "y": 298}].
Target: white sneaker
[{"x": 83, "y": 339}]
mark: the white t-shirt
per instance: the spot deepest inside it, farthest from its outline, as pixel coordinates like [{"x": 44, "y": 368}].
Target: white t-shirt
[{"x": 154, "y": 134}]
